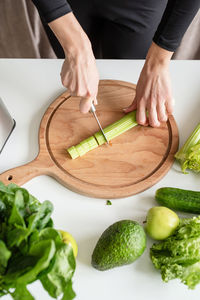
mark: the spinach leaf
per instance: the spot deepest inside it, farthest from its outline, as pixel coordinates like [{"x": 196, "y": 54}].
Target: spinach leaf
[
  {"x": 2, "y": 208},
  {"x": 69, "y": 293},
  {"x": 21, "y": 293},
  {"x": 41, "y": 218},
  {"x": 5, "y": 189},
  {"x": 15, "y": 236},
  {"x": 16, "y": 217},
  {"x": 58, "y": 277},
  {"x": 4, "y": 256},
  {"x": 50, "y": 233}
]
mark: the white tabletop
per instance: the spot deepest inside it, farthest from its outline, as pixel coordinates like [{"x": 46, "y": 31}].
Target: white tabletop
[{"x": 28, "y": 87}]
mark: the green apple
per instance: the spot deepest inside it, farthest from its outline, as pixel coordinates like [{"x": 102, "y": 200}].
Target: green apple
[{"x": 161, "y": 222}]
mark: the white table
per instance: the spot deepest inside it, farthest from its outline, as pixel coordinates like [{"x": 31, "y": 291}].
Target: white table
[{"x": 28, "y": 87}]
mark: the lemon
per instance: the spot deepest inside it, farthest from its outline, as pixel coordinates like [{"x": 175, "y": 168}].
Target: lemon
[{"x": 68, "y": 239}]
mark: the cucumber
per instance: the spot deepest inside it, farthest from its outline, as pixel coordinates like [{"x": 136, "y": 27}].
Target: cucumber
[{"x": 179, "y": 199}]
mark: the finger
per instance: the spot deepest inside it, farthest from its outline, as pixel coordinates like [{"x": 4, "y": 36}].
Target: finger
[
  {"x": 153, "y": 117},
  {"x": 161, "y": 112},
  {"x": 95, "y": 101},
  {"x": 132, "y": 107},
  {"x": 85, "y": 105},
  {"x": 141, "y": 113},
  {"x": 170, "y": 106}
]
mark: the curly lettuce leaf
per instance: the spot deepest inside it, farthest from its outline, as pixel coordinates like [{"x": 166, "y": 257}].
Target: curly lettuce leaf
[{"x": 179, "y": 255}]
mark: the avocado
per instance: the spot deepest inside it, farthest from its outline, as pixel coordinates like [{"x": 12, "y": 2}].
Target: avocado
[{"x": 120, "y": 244}]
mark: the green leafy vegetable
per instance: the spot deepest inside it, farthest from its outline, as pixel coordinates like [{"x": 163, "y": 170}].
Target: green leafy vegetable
[
  {"x": 189, "y": 154},
  {"x": 4, "y": 257},
  {"x": 30, "y": 248},
  {"x": 61, "y": 271},
  {"x": 179, "y": 255},
  {"x": 21, "y": 292},
  {"x": 69, "y": 293},
  {"x": 108, "y": 202}
]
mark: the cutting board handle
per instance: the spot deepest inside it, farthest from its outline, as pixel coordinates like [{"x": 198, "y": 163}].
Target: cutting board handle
[{"x": 24, "y": 173}]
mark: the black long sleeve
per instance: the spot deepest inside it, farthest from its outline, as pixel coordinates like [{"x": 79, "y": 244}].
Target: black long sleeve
[
  {"x": 52, "y": 9},
  {"x": 175, "y": 21}
]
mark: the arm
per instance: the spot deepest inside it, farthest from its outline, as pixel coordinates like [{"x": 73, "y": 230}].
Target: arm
[
  {"x": 79, "y": 72},
  {"x": 153, "y": 92},
  {"x": 177, "y": 17}
]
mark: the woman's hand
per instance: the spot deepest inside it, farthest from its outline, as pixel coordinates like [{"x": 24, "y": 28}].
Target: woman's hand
[
  {"x": 153, "y": 91},
  {"x": 79, "y": 72}
]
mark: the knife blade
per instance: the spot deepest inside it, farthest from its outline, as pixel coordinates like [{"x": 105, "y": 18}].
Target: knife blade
[
  {"x": 93, "y": 111},
  {"x": 7, "y": 124}
]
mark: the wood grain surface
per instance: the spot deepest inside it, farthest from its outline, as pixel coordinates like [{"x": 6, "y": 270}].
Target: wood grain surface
[{"x": 133, "y": 162}]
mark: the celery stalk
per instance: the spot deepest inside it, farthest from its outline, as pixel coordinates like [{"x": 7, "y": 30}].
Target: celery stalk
[
  {"x": 84, "y": 146},
  {"x": 90, "y": 143},
  {"x": 117, "y": 128},
  {"x": 189, "y": 154},
  {"x": 81, "y": 150},
  {"x": 111, "y": 131}
]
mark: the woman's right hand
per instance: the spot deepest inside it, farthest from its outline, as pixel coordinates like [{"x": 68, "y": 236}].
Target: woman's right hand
[
  {"x": 79, "y": 72},
  {"x": 80, "y": 76}
]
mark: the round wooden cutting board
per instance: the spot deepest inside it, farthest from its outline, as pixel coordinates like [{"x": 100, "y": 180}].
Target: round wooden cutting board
[{"x": 133, "y": 162}]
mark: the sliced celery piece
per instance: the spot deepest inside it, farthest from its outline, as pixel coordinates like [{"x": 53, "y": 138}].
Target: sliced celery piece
[
  {"x": 73, "y": 152},
  {"x": 117, "y": 128},
  {"x": 81, "y": 150},
  {"x": 89, "y": 144},
  {"x": 84, "y": 146}
]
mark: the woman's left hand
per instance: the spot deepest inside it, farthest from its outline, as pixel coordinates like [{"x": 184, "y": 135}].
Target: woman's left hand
[{"x": 153, "y": 91}]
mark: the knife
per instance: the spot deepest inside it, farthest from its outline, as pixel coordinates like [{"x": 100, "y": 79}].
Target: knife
[
  {"x": 7, "y": 124},
  {"x": 93, "y": 111}
]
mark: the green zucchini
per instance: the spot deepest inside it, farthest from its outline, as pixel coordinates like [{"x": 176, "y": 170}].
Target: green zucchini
[{"x": 179, "y": 199}]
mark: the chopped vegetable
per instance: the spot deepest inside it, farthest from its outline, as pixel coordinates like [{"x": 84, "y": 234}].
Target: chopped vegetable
[
  {"x": 189, "y": 154},
  {"x": 30, "y": 248},
  {"x": 108, "y": 202},
  {"x": 179, "y": 255},
  {"x": 111, "y": 131},
  {"x": 117, "y": 128}
]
